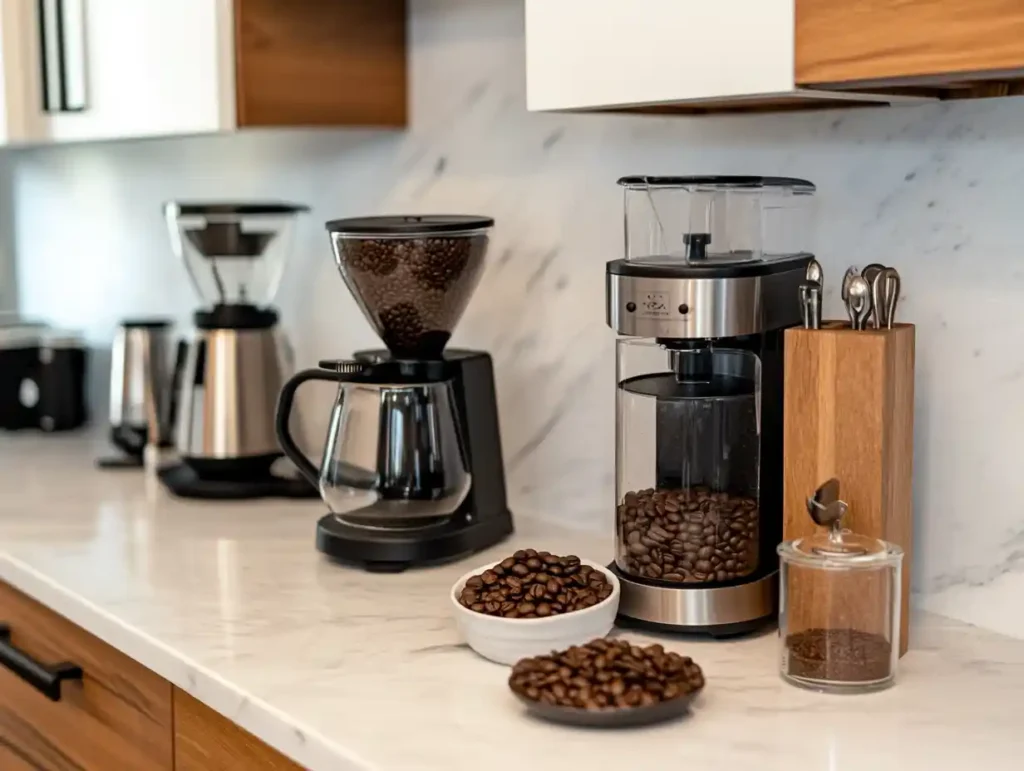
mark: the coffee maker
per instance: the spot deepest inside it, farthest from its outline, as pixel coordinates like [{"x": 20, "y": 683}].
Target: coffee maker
[
  {"x": 709, "y": 282},
  {"x": 237, "y": 359},
  {"x": 412, "y": 469}
]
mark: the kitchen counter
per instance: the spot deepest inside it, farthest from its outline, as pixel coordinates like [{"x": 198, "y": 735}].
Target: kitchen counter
[{"x": 340, "y": 669}]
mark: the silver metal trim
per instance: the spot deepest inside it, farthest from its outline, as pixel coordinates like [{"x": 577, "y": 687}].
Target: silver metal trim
[
  {"x": 703, "y": 308},
  {"x": 690, "y": 606},
  {"x": 714, "y": 307},
  {"x": 228, "y": 398}
]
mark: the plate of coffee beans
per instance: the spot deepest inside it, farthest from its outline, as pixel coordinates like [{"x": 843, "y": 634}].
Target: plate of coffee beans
[
  {"x": 533, "y": 602},
  {"x": 607, "y": 684}
]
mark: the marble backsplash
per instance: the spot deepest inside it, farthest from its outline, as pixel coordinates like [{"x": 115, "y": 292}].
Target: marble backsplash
[{"x": 934, "y": 190}]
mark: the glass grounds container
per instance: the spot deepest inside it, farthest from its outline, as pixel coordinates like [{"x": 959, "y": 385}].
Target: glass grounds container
[
  {"x": 709, "y": 283},
  {"x": 688, "y": 459},
  {"x": 235, "y": 253},
  {"x": 839, "y": 623}
]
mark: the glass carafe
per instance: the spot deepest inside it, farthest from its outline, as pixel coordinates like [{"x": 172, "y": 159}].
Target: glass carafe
[
  {"x": 394, "y": 454},
  {"x": 688, "y": 462}
]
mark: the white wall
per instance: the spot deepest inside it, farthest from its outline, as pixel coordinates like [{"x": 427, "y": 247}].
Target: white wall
[{"x": 934, "y": 190}]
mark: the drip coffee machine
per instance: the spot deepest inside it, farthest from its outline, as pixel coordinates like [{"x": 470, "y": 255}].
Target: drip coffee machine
[
  {"x": 411, "y": 470},
  {"x": 237, "y": 360},
  {"x": 709, "y": 281}
]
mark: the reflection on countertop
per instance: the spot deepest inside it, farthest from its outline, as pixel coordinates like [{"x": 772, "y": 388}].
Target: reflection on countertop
[{"x": 342, "y": 669}]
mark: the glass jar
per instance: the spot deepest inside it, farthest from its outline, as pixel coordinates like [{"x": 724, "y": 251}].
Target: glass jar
[
  {"x": 839, "y": 618},
  {"x": 688, "y": 462}
]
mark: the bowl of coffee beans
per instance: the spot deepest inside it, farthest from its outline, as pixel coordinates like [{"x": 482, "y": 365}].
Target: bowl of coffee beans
[
  {"x": 534, "y": 602},
  {"x": 607, "y": 683}
]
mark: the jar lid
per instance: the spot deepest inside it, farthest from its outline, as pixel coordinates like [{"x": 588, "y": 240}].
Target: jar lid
[
  {"x": 840, "y": 549},
  {"x": 409, "y": 225}
]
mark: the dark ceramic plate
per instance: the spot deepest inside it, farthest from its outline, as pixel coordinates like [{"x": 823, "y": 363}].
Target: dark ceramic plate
[{"x": 616, "y": 717}]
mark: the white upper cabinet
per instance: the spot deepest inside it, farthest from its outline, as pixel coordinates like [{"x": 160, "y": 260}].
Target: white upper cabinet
[
  {"x": 79, "y": 70},
  {"x": 694, "y": 56},
  {"x": 585, "y": 54}
]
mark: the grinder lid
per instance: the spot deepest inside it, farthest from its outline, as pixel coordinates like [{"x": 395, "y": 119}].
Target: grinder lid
[{"x": 408, "y": 225}]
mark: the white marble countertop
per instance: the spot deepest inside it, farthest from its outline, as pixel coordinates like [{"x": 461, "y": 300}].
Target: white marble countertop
[{"x": 340, "y": 669}]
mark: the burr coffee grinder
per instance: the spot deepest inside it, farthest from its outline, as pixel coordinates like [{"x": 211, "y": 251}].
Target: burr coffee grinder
[
  {"x": 709, "y": 281},
  {"x": 412, "y": 470}
]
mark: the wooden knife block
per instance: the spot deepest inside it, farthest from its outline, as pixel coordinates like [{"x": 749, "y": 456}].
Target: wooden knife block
[{"x": 849, "y": 414}]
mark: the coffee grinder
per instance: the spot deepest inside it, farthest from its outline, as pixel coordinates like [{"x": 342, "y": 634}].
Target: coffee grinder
[
  {"x": 237, "y": 359},
  {"x": 412, "y": 469},
  {"x": 709, "y": 282}
]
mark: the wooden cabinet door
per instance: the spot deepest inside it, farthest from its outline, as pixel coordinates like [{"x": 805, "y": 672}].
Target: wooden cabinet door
[
  {"x": 894, "y": 40},
  {"x": 118, "y": 716},
  {"x": 205, "y": 740}
]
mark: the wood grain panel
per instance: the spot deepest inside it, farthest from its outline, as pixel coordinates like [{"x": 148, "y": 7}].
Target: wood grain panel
[
  {"x": 205, "y": 740},
  {"x": 849, "y": 413},
  {"x": 117, "y": 717},
  {"x": 890, "y": 40},
  {"x": 320, "y": 62}
]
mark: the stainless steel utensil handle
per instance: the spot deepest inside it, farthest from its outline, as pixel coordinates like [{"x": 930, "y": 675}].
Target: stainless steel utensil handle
[
  {"x": 805, "y": 304},
  {"x": 814, "y": 301},
  {"x": 877, "y": 295},
  {"x": 892, "y": 296}
]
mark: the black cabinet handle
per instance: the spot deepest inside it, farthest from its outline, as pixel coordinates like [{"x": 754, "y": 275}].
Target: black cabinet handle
[{"x": 44, "y": 678}]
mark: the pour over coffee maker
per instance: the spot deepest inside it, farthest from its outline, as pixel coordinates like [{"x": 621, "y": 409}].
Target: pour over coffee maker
[
  {"x": 411, "y": 470},
  {"x": 237, "y": 360}
]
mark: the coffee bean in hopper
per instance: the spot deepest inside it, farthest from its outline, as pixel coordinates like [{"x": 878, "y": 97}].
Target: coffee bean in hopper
[
  {"x": 689, "y": 535},
  {"x": 606, "y": 673},
  {"x": 535, "y": 584}
]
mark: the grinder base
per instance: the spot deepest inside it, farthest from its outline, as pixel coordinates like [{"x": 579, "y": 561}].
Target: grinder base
[{"x": 718, "y": 611}]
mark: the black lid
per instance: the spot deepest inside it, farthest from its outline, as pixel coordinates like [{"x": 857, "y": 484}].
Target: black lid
[
  {"x": 236, "y": 316},
  {"x": 719, "y": 181},
  {"x": 413, "y": 224},
  {"x": 191, "y": 208},
  {"x": 146, "y": 323},
  {"x": 707, "y": 268}
]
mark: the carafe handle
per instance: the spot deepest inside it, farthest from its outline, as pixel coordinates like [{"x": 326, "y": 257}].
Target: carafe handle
[{"x": 284, "y": 413}]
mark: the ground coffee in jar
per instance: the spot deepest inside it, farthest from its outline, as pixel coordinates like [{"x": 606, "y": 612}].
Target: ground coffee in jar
[
  {"x": 689, "y": 535},
  {"x": 839, "y": 655}
]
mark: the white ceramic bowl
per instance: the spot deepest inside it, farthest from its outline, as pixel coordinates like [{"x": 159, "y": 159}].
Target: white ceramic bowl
[{"x": 506, "y": 640}]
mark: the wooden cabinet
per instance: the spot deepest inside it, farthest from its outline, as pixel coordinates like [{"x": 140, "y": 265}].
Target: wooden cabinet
[
  {"x": 117, "y": 716},
  {"x": 204, "y": 740},
  {"x": 694, "y": 56},
  {"x": 113, "y": 714},
  {"x": 78, "y": 70}
]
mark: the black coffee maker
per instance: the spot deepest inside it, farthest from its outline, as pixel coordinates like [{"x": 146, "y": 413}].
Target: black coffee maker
[{"x": 412, "y": 469}]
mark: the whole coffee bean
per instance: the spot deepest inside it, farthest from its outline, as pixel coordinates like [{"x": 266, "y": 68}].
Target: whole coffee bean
[
  {"x": 506, "y": 593},
  {"x": 710, "y": 526},
  {"x": 534, "y": 563},
  {"x": 612, "y": 674}
]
